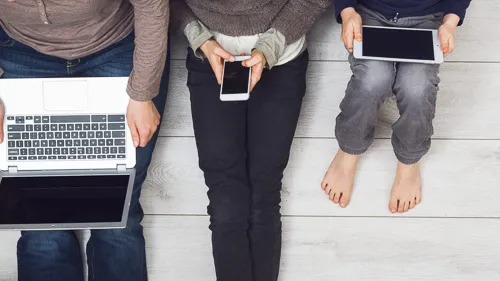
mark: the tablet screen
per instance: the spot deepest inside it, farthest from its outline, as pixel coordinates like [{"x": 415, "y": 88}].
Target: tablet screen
[
  {"x": 398, "y": 43},
  {"x": 62, "y": 199}
]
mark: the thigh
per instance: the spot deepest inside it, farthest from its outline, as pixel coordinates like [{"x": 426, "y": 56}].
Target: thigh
[
  {"x": 219, "y": 127},
  {"x": 416, "y": 80},
  {"x": 273, "y": 113},
  {"x": 20, "y": 61}
]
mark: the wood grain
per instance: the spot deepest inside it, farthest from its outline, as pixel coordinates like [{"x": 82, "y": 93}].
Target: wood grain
[
  {"x": 467, "y": 102},
  {"x": 325, "y": 249},
  {"x": 460, "y": 179},
  {"x": 476, "y": 40}
]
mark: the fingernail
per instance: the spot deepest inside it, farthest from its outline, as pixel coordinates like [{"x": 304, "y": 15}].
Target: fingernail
[{"x": 136, "y": 143}]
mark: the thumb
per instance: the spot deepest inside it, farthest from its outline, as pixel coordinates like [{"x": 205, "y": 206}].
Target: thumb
[
  {"x": 135, "y": 134},
  {"x": 445, "y": 43},
  {"x": 224, "y": 54},
  {"x": 358, "y": 35}
]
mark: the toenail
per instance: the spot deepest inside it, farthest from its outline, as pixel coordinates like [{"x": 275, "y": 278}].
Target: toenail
[
  {"x": 393, "y": 210},
  {"x": 342, "y": 204}
]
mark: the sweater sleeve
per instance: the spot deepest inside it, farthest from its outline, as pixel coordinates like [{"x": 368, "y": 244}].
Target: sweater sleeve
[
  {"x": 457, "y": 7},
  {"x": 297, "y": 17},
  {"x": 340, "y": 5},
  {"x": 151, "y": 18}
]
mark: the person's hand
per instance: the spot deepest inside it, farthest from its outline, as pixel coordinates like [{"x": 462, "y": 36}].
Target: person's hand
[
  {"x": 143, "y": 119},
  {"x": 351, "y": 28},
  {"x": 446, "y": 33},
  {"x": 257, "y": 62},
  {"x": 216, "y": 56},
  {"x": 2, "y": 116}
]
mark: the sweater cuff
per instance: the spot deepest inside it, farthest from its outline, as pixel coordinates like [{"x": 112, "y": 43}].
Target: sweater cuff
[
  {"x": 340, "y": 5},
  {"x": 138, "y": 95},
  {"x": 196, "y": 34},
  {"x": 272, "y": 44}
]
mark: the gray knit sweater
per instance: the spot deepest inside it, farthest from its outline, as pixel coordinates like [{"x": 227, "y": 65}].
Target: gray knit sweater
[{"x": 292, "y": 18}]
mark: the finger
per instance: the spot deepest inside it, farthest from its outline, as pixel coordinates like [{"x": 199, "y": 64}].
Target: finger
[
  {"x": 255, "y": 59},
  {"x": 256, "y": 74},
  {"x": 134, "y": 133},
  {"x": 218, "y": 69},
  {"x": 1, "y": 127},
  {"x": 445, "y": 44},
  {"x": 223, "y": 54},
  {"x": 451, "y": 46},
  {"x": 349, "y": 39},
  {"x": 357, "y": 32},
  {"x": 145, "y": 136}
]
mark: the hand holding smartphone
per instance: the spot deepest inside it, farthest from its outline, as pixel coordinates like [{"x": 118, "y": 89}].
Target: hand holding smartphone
[{"x": 235, "y": 80}]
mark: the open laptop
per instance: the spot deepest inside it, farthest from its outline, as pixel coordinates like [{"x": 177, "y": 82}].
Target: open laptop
[{"x": 67, "y": 160}]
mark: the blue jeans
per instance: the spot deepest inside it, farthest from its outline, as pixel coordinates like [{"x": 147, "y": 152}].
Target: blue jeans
[{"x": 117, "y": 254}]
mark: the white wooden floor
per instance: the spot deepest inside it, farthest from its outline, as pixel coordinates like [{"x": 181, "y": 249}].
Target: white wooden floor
[{"x": 452, "y": 235}]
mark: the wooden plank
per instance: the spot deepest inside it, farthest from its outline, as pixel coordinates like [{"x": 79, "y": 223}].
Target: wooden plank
[
  {"x": 324, "y": 249},
  {"x": 460, "y": 179},
  {"x": 475, "y": 41},
  {"x": 467, "y": 102}
]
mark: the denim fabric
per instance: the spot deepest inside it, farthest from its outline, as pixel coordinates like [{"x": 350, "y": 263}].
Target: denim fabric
[
  {"x": 112, "y": 255},
  {"x": 414, "y": 85},
  {"x": 243, "y": 149}
]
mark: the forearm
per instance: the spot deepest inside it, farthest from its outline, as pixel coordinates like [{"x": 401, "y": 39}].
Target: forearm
[
  {"x": 151, "y": 20},
  {"x": 197, "y": 34}
]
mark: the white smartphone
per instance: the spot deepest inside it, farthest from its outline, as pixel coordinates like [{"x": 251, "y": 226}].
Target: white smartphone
[
  {"x": 399, "y": 45},
  {"x": 235, "y": 80}
]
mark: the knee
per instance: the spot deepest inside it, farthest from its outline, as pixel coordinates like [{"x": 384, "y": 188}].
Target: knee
[
  {"x": 228, "y": 216},
  {"x": 53, "y": 242},
  {"x": 417, "y": 97},
  {"x": 372, "y": 80}
]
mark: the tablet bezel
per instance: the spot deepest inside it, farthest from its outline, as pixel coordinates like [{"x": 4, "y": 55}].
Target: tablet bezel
[{"x": 438, "y": 54}]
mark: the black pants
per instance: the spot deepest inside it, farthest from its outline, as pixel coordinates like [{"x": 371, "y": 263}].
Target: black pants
[{"x": 243, "y": 149}]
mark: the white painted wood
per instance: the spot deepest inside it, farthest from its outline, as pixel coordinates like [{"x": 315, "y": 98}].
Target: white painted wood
[
  {"x": 475, "y": 39},
  {"x": 460, "y": 179},
  {"x": 324, "y": 249},
  {"x": 467, "y": 102}
]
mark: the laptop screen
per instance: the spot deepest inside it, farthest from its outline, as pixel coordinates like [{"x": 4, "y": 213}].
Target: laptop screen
[{"x": 62, "y": 199}]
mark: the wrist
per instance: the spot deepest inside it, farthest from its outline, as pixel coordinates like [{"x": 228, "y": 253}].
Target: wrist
[
  {"x": 347, "y": 13},
  {"x": 451, "y": 20},
  {"x": 206, "y": 44}
]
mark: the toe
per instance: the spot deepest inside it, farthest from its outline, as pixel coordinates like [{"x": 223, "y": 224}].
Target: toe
[
  {"x": 331, "y": 194},
  {"x": 336, "y": 198},
  {"x": 324, "y": 185},
  {"x": 345, "y": 199},
  {"x": 393, "y": 205},
  {"x": 401, "y": 206},
  {"x": 417, "y": 199},
  {"x": 412, "y": 204},
  {"x": 406, "y": 206}
]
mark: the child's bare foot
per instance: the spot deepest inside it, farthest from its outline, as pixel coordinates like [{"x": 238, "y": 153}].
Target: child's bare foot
[
  {"x": 339, "y": 178},
  {"x": 406, "y": 192}
]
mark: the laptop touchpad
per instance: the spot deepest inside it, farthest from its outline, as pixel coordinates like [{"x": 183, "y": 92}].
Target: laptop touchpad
[{"x": 65, "y": 95}]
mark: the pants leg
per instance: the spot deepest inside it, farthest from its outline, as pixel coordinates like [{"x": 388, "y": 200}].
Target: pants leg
[
  {"x": 416, "y": 90},
  {"x": 220, "y": 132},
  {"x": 120, "y": 254},
  {"x": 370, "y": 85},
  {"x": 41, "y": 255},
  {"x": 273, "y": 113}
]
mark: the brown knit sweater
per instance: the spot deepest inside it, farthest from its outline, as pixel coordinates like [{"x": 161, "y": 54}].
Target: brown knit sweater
[{"x": 293, "y": 18}]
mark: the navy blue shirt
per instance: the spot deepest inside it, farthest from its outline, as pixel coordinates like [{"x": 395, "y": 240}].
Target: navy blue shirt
[{"x": 407, "y": 8}]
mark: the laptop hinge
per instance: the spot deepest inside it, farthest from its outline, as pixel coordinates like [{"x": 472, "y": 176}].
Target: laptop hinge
[
  {"x": 13, "y": 169},
  {"x": 121, "y": 167}
]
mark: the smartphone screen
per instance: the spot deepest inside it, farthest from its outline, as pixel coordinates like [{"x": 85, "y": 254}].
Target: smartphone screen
[
  {"x": 235, "y": 80},
  {"x": 398, "y": 43}
]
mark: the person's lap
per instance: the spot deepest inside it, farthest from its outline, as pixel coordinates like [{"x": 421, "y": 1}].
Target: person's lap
[
  {"x": 243, "y": 149},
  {"x": 111, "y": 254}
]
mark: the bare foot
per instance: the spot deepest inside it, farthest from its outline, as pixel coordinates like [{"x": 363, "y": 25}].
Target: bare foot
[
  {"x": 339, "y": 178},
  {"x": 406, "y": 191}
]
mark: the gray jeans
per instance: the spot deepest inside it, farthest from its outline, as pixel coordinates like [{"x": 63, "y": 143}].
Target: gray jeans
[{"x": 414, "y": 85}]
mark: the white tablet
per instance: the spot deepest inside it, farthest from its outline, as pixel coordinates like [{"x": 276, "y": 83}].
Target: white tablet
[{"x": 399, "y": 44}]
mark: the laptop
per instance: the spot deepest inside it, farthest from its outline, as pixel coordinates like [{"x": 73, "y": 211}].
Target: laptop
[{"x": 67, "y": 160}]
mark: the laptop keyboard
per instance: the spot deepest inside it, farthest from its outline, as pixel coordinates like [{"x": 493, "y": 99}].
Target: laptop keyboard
[{"x": 73, "y": 137}]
